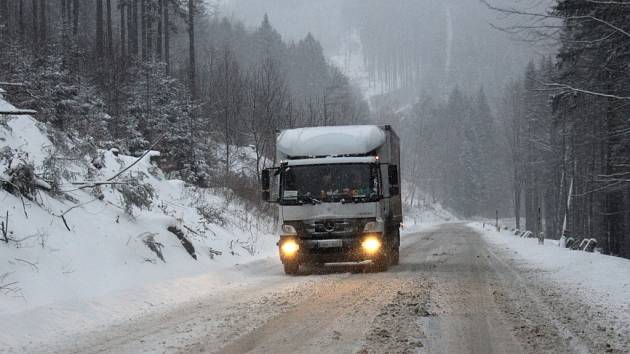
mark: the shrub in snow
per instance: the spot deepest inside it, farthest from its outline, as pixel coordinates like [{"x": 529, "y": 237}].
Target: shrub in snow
[
  {"x": 21, "y": 180},
  {"x": 4, "y": 229},
  {"x": 99, "y": 161},
  {"x": 53, "y": 171},
  {"x": 212, "y": 215},
  {"x": 6, "y": 155},
  {"x": 156, "y": 247},
  {"x": 134, "y": 194}
]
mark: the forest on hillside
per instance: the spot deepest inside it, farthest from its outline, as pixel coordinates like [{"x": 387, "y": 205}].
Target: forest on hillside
[
  {"x": 547, "y": 142},
  {"x": 170, "y": 75},
  {"x": 569, "y": 127},
  {"x": 551, "y": 146}
]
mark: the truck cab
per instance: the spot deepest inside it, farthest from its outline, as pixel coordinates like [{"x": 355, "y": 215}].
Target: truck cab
[{"x": 338, "y": 194}]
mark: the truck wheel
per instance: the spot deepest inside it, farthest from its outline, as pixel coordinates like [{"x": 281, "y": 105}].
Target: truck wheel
[
  {"x": 380, "y": 264},
  {"x": 395, "y": 256},
  {"x": 291, "y": 268},
  {"x": 395, "y": 253}
]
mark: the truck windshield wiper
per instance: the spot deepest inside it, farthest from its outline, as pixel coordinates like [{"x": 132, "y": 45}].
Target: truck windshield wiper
[
  {"x": 366, "y": 199},
  {"x": 308, "y": 199}
]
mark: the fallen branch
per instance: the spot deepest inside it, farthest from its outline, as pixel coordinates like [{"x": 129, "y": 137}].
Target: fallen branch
[
  {"x": 191, "y": 230},
  {"x": 29, "y": 263},
  {"x": 586, "y": 92},
  {"x": 14, "y": 84},
  {"x": 86, "y": 185},
  {"x": 149, "y": 240},
  {"x": 8, "y": 287},
  {"x": 4, "y": 227},
  {"x": 110, "y": 181},
  {"x": 18, "y": 112},
  {"x": 64, "y": 213},
  {"x": 137, "y": 161},
  {"x": 214, "y": 253},
  {"x": 25, "y": 238},
  {"x": 74, "y": 207},
  {"x": 188, "y": 246}
]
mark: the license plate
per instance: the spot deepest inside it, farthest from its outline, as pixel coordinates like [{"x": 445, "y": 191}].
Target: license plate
[{"x": 329, "y": 243}]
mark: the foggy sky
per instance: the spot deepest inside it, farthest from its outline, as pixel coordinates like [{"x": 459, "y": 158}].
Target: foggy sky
[{"x": 457, "y": 44}]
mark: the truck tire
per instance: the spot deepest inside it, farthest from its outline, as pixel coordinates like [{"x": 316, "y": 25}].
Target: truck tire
[
  {"x": 380, "y": 264},
  {"x": 291, "y": 268},
  {"x": 395, "y": 256},
  {"x": 395, "y": 252}
]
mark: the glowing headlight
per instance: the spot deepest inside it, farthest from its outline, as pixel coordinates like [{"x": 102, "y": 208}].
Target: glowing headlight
[
  {"x": 288, "y": 230},
  {"x": 371, "y": 245},
  {"x": 290, "y": 248}
]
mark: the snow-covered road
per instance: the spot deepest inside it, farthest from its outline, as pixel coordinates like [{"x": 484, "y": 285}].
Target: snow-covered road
[{"x": 452, "y": 293}]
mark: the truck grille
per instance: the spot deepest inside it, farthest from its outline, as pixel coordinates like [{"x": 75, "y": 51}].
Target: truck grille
[{"x": 332, "y": 229}]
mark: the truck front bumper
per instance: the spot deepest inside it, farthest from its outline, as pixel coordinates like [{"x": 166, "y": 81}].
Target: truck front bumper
[{"x": 361, "y": 248}]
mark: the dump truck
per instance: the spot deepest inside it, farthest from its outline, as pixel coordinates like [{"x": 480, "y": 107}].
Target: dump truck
[{"x": 338, "y": 193}]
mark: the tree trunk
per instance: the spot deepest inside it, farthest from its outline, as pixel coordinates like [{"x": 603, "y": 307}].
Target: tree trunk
[
  {"x": 35, "y": 16},
  {"x": 517, "y": 206},
  {"x": 167, "y": 36},
  {"x": 64, "y": 15},
  {"x": 123, "y": 30},
  {"x": 68, "y": 13},
  {"x": 160, "y": 20},
  {"x": 129, "y": 7},
  {"x": 75, "y": 19},
  {"x": 99, "y": 29},
  {"x": 4, "y": 19},
  {"x": 192, "y": 75},
  {"x": 43, "y": 12},
  {"x": 134, "y": 27},
  {"x": 149, "y": 29},
  {"x": 143, "y": 28},
  {"x": 110, "y": 32},
  {"x": 21, "y": 19}
]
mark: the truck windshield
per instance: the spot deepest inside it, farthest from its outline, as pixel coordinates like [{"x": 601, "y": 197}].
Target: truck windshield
[{"x": 330, "y": 183}]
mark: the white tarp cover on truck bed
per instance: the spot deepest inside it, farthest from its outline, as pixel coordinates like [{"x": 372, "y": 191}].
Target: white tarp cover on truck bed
[{"x": 331, "y": 141}]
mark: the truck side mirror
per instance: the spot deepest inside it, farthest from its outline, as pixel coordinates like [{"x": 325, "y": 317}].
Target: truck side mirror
[
  {"x": 394, "y": 191},
  {"x": 265, "y": 180},
  {"x": 392, "y": 172},
  {"x": 266, "y": 185}
]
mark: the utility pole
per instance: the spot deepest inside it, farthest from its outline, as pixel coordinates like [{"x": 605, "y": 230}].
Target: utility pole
[
  {"x": 497, "y": 222},
  {"x": 541, "y": 234}
]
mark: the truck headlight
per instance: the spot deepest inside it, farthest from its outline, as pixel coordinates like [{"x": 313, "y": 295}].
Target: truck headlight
[
  {"x": 371, "y": 244},
  {"x": 289, "y": 248},
  {"x": 289, "y": 230}
]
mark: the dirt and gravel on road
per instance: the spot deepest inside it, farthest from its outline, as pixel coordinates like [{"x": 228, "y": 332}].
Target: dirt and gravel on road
[{"x": 452, "y": 293}]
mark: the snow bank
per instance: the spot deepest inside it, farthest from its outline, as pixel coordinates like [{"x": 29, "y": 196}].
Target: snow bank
[
  {"x": 331, "y": 141},
  {"x": 596, "y": 278},
  {"x": 421, "y": 211},
  {"x": 58, "y": 269}
]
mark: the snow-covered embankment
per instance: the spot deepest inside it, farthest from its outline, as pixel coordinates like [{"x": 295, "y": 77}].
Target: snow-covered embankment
[
  {"x": 595, "y": 279},
  {"x": 82, "y": 255}
]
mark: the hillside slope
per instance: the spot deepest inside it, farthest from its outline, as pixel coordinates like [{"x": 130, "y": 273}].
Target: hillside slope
[{"x": 69, "y": 239}]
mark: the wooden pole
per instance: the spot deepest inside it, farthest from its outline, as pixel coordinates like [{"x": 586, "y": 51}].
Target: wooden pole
[
  {"x": 497, "y": 224},
  {"x": 541, "y": 234},
  {"x": 19, "y": 112}
]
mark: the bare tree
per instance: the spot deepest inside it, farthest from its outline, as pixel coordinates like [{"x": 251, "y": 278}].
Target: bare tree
[
  {"x": 100, "y": 40},
  {"x": 192, "y": 69}
]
